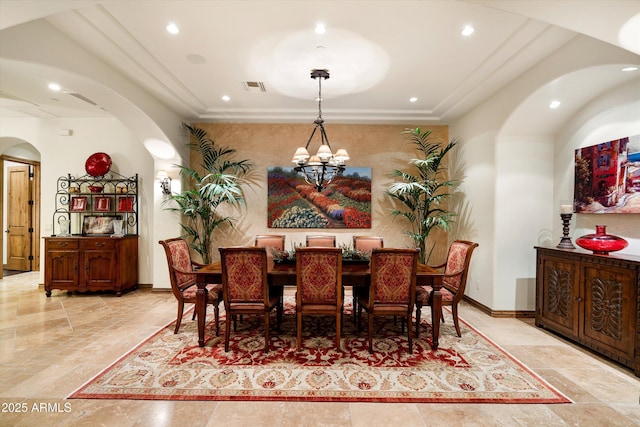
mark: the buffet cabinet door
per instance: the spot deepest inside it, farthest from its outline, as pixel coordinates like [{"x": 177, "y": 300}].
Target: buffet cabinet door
[
  {"x": 608, "y": 317},
  {"x": 558, "y": 303}
]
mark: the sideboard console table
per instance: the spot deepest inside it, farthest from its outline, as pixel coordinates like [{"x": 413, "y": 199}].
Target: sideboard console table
[{"x": 591, "y": 299}]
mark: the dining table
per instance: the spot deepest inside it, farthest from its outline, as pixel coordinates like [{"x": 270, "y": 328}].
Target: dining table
[{"x": 284, "y": 274}]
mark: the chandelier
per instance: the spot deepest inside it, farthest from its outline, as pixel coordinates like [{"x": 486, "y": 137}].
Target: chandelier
[{"x": 321, "y": 168}]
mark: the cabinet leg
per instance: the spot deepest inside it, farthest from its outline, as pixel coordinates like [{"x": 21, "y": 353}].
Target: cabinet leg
[{"x": 48, "y": 293}]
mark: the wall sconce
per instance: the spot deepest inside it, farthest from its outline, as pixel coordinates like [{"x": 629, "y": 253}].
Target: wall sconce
[{"x": 165, "y": 182}]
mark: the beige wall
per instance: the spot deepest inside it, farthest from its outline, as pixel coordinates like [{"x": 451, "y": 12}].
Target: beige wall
[{"x": 381, "y": 147}]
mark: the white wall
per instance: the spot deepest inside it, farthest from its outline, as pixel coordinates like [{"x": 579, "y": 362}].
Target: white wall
[
  {"x": 61, "y": 155},
  {"x": 614, "y": 115},
  {"x": 515, "y": 182}
]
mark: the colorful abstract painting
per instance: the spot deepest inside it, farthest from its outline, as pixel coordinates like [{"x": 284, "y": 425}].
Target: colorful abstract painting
[{"x": 293, "y": 203}]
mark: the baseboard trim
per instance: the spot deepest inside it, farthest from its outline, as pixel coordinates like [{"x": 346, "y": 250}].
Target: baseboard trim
[{"x": 500, "y": 313}]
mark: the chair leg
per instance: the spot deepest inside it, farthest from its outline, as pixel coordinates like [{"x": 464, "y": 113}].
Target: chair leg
[
  {"x": 266, "y": 332},
  {"x": 370, "y": 318},
  {"x": 299, "y": 340},
  {"x": 454, "y": 311},
  {"x": 227, "y": 332},
  {"x": 338, "y": 329},
  {"x": 216, "y": 315},
  {"x": 179, "y": 319},
  {"x": 409, "y": 333},
  {"x": 418, "y": 313}
]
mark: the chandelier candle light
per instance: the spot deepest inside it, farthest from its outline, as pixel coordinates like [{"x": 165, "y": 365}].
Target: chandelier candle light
[
  {"x": 320, "y": 169},
  {"x": 566, "y": 211}
]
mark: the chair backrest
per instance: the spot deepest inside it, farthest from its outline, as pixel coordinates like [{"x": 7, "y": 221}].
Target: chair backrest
[
  {"x": 270, "y": 242},
  {"x": 244, "y": 274},
  {"x": 457, "y": 266},
  {"x": 367, "y": 243},
  {"x": 179, "y": 262},
  {"x": 321, "y": 241},
  {"x": 393, "y": 275},
  {"x": 319, "y": 275}
]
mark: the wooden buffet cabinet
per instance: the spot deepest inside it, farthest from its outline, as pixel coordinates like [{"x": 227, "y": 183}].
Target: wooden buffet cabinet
[
  {"x": 591, "y": 299},
  {"x": 82, "y": 263}
]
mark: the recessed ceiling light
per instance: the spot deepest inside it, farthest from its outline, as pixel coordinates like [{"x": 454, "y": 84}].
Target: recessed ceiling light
[
  {"x": 320, "y": 28},
  {"x": 467, "y": 30},
  {"x": 172, "y": 28},
  {"x": 630, "y": 68},
  {"x": 413, "y": 99},
  {"x": 55, "y": 87},
  {"x": 226, "y": 98},
  {"x": 554, "y": 104}
]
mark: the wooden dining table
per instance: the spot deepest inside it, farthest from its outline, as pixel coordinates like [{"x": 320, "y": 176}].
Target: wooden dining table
[{"x": 353, "y": 274}]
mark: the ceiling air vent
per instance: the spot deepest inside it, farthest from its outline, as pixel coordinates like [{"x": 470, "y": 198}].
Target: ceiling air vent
[
  {"x": 82, "y": 98},
  {"x": 253, "y": 86}
]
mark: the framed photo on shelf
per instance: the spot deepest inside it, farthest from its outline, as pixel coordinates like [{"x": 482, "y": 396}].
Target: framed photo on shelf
[
  {"x": 102, "y": 204},
  {"x": 92, "y": 225},
  {"x": 78, "y": 204},
  {"x": 125, "y": 204}
]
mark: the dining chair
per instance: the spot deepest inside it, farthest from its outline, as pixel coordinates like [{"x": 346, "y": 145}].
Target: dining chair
[
  {"x": 454, "y": 281},
  {"x": 319, "y": 286},
  {"x": 364, "y": 244},
  {"x": 183, "y": 280},
  {"x": 270, "y": 242},
  {"x": 245, "y": 288},
  {"x": 321, "y": 241},
  {"x": 392, "y": 288},
  {"x": 367, "y": 243}
]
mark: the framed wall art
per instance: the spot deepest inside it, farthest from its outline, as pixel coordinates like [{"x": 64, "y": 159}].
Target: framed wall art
[
  {"x": 607, "y": 177},
  {"x": 78, "y": 204},
  {"x": 96, "y": 225},
  {"x": 293, "y": 203},
  {"x": 102, "y": 204}
]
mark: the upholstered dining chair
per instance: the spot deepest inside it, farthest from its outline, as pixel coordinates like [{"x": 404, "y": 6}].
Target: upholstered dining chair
[
  {"x": 392, "y": 288},
  {"x": 270, "y": 242},
  {"x": 367, "y": 243},
  {"x": 183, "y": 281},
  {"x": 364, "y": 244},
  {"x": 245, "y": 288},
  {"x": 321, "y": 241},
  {"x": 454, "y": 281},
  {"x": 319, "y": 286}
]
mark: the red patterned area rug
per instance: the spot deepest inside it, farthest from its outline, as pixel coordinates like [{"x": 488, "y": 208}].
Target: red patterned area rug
[{"x": 470, "y": 369}]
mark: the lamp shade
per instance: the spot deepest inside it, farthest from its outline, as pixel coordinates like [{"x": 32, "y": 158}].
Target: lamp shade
[
  {"x": 341, "y": 155},
  {"x": 315, "y": 161},
  {"x": 324, "y": 152},
  {"x": 300, "y": 155}
]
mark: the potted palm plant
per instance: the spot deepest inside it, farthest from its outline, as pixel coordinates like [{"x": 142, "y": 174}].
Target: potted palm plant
[
  {"x": 421, "y": 193},
  {"x": 215, "y": 182}
]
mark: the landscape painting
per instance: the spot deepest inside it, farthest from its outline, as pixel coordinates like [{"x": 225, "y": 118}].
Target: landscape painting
[
  {"x": 607, "y": 177},
  {"x": 293, "y": 203}
]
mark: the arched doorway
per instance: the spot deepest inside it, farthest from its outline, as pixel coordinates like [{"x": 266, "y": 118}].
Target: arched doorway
[{"x": 20, "y": 201}]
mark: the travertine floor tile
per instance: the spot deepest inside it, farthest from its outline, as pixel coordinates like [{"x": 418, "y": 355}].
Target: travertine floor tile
[{"x": 51, "y": 346}]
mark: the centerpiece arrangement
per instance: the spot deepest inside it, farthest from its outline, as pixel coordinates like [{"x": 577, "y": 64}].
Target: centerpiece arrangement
[{"x": 349, "y": 255}]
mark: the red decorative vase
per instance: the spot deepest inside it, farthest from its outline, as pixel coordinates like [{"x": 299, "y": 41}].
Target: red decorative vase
[{"x": 601, "y": 242}]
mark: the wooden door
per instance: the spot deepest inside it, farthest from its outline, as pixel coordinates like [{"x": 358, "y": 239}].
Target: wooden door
[{"x": 18, "y": 218}]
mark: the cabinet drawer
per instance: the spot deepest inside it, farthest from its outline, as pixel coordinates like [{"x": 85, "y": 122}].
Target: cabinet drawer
[
  {"x": 53, "y": 244},
  {"x": 95, "y": 244}
]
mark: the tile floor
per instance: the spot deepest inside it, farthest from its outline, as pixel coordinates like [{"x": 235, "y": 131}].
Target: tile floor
[{"x": 51, "y": 346}]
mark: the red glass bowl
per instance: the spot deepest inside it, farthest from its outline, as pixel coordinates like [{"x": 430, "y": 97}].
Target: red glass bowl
[
  {"x": 98, "y": 164},
  {"x": 601, "y": 243}
]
